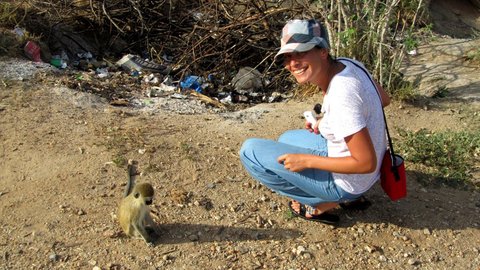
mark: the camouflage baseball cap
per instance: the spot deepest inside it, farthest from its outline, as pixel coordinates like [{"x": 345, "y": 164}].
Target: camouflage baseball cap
[{"x": 302, "y": 36}]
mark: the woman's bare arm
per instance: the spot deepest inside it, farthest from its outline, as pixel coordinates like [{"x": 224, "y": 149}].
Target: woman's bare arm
[
  {"x": 362, "y": 159},
  {"x": 383, "y": 95}
]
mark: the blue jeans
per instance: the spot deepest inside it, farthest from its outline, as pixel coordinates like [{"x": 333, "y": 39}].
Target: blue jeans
[{"x": 310, "y": 186}]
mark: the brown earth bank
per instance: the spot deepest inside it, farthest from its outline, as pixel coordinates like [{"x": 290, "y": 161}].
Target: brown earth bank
[{"x": 63, "y": 175}]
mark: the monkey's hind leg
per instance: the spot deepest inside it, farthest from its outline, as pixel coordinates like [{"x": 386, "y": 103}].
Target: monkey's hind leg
[
  {"x": 142, "y": 233},
  {"x": 151, "y": 226}
]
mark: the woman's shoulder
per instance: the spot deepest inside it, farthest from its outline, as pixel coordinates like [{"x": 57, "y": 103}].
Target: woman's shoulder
[
  {"x": 350, "y": 62},
  {"x": 345, "y": 80}
]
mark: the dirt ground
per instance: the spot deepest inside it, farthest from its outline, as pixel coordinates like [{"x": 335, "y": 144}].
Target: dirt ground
[
  {"x": 63, "y": 173},
  {"x": 62, "y": 179}
]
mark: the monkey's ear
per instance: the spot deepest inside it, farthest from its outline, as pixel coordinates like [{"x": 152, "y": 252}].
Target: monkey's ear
[{"x": 136, "y": 195}]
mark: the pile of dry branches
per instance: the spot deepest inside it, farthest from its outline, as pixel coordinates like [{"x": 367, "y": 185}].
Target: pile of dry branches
[
  {"x": 218, "y": 37},
  {"x": 199, "y": 37}
]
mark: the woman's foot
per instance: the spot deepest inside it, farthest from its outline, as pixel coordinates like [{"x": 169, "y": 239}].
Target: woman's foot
[
  {"x": 360, "y": 203},
  {"x": 318, "y": 214}
]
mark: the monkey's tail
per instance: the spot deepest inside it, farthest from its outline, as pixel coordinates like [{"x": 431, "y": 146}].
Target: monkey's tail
[{"x": 132, "y": 173}]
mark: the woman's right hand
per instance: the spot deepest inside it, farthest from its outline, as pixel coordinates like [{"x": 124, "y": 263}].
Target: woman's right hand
[{"x": 294, "y": 162}]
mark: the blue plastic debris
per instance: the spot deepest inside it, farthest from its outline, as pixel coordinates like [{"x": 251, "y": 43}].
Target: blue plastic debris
[{"x": 192, "y": 82}]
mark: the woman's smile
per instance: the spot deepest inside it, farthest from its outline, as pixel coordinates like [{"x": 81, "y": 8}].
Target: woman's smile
[{"x": 299, "y": 71}]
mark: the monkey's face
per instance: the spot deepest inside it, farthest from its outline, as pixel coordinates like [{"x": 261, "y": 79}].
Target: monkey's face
[
  {"x": 144, "y": 192},
  {"x": 147, "y": 200}
]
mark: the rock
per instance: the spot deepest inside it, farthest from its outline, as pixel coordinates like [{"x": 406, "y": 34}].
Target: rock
[
  {"x": 370, "y": 248},
  {"x": 300, "y": 250},
  {"x": 307, "y": 255},
  {"x": 193, "y": 237},
  {"x": 247, "y": 79},
  {"x": 53, "y": 257},
  {"x": 110, "y": 233},
  {"x": 413, "y": 262}
]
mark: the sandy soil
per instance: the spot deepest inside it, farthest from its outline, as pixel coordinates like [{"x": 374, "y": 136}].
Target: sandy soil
[{"x": 63, "y": 176}]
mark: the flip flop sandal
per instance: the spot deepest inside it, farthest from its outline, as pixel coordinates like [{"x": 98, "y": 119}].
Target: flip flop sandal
[
  {"x": 361, "y": 203},
  {"x": 326, "y": 218}
]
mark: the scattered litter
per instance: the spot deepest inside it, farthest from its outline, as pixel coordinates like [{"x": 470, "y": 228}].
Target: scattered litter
[
  {"x": 151, "y": 79},
  {"x": 19, "y": 31},
  {"x": 135, "y": 73},
  {"x": 161, "y": 90},
  {"x": 275, "y": 96},
  {"x": 226, "y": 100},
  {"x": 32, "y": 50},
  {"x": 135, "y": 63},
  {"x": 179, "y": 96},
  {"x": 192, "y": 82},
  {"x": 240, "y": 99},
  {"x": 85, "y": 55},
  {"x": 58, "y": 62},
  {"x": 102, "y": 72},
  {"x": 168, "y": 80}
]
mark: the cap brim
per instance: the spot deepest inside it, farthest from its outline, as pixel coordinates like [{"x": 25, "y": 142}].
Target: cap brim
[{"x": 295, "y": 47}]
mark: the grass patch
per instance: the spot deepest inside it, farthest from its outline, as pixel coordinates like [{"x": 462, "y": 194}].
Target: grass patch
[
  {"x": 288, "y": 215},
  {"x": 152, "y": 168},
  {"x": 441, "y": 92},
  {"x": 473, "y": 56},
  {"x": 119, "y": 161},
  {"x": 188, "y": 150},
  {"x": 450, "y": 157},
  {"x": 406, "y": 92}
]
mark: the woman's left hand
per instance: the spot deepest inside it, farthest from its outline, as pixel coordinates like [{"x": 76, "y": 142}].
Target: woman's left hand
[
  {"x": 294, "y": 162},
  {"x": 312, "y": 127}
]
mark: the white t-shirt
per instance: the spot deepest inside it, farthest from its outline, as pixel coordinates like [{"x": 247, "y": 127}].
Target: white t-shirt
[{"x": 352, "y": 103}]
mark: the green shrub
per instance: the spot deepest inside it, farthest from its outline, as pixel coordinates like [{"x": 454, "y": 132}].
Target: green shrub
[
  {"x": 449, "y": 156},
  {"x": 406, "y": 91},
  {"x": 378, "y": 33},
  {"x": 473, "y": 56}
]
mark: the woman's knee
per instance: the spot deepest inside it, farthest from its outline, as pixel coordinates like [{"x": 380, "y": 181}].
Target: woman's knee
[
  {"x": 291, "y": 136},
  {"x": 249, "y": 146}
]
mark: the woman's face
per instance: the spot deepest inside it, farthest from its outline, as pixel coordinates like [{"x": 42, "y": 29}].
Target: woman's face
[{"x": 305, "y": 66}]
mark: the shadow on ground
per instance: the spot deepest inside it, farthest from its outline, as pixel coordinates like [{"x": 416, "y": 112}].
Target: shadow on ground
[
  {"x": 424, "y": 207},
  {"x": 186, "y": 233}
]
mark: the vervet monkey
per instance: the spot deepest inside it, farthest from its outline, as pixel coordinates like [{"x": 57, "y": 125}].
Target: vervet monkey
[{"x": 134, "y": 213}]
